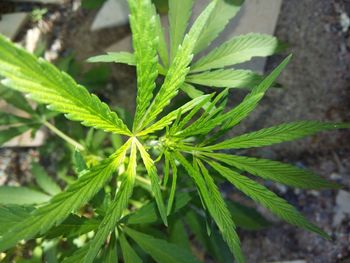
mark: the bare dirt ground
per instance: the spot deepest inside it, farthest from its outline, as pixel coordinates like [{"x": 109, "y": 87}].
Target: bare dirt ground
[{"x": 316, "y": 86}]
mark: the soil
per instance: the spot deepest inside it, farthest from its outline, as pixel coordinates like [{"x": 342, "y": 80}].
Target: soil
[{"x": 316, "y": 85}]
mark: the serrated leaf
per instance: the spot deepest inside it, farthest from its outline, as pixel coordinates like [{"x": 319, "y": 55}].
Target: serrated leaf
[
  {"x": 116, "y": 57},
  {"x": 266, "y": 198},
  {"x": 110, "y": 254},
  {"x": 21, "y": 196},
  {"x": 226, "y": 78},
  {"x": 238, "y": 50},
  {"x": 179, "y": 15},
  {"x": 11, "y": 215},
  {"x": 145, "y": 42},
  {"x": 129, "y": 254},
  {"x": 155, "y": 182},
  {"x": 173, "y": 184},
  {"x": 73, "y": 226},
  {"x": 178, "y": 70},
  {"x": 275, "y": 171},
  {"x": 224, "y": 11},
  {"x": 160, "y": 250},
  {"x": 46, "y": 84},
  {"x": 44, "y": 180},
  {"x": 277, "y": 134},
  {"x": 148, "y": 213},
  {"x": 116, "y": 209},
  {"x": 169, "y": 118},
  {"x": 162, "y": 46},
  {"x": 61, "y": 205},
  {"x": 210, "y": 196}
]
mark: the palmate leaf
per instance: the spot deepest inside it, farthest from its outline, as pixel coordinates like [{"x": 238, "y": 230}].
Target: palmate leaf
[
  {"x": 277, "y": 134},
  {"x": 276, "y": 171},
  {"x": 129, "y": 254},
  {"x": 115, "y": 211},
  {"x": 204, "y": 124},
  {"x": 226, "y": 78},
  {"x": 178, "y": 69},
  {"x": 224, "y": 11},
  {"x": 65, "y": 202},
  {"x": 116, "y": 57},
  {"x": 179, "y": 15},
  {"x": 169, "y": 118},
  {"x": 215, "y": 207},
  {"x": 155, "y": 184},
  {"x": 237, "y": 114},
  {"x": 145, "y": 42},
  {"x": 237, "y": 50},
  {"x": 160, "y": 250},
  {"x": 46, "y": 84},
  {"x": 266, "y": 198}
]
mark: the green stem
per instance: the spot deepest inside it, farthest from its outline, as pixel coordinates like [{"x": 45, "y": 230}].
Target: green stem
[{"x": 64, "y": 136}]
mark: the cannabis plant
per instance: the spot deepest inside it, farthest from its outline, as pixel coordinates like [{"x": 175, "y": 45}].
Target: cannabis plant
[{"x": 176, "y": 155}]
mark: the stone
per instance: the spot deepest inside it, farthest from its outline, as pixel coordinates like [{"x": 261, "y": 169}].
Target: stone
[
  {"x": 112, "y": 13},
  {"x": 10, "y": 24},
  {"x": 342, "y": 207}
]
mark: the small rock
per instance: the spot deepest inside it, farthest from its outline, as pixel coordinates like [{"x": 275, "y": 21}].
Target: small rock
[
  {"x": 344, "y": 21},
  {"x": 113, "y": 13},
  {"x": 342, "y": 207}
]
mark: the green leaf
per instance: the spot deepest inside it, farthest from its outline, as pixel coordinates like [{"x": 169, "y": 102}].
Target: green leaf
[
  {"x": 145, "y": 42},
  {"x": 169, "y": 118},
  {"x": 61, "y": 205},
  {"x": 73, "y": 226},
  {"x": 191, "y": 91},
  {"x": 44, "y": 180},
  {"x": 237, "y": 114},
  {"x": 12, "y": 132},
  {"x": 155, "y": 182},
  {"x": 148, "y": 213},
  {"x": 129, "y": 254},
  {"x": 173, "y": 185},
  {"x": 110, "y": 254},
  {"x": 223, "y": 78},
  {"x": 246, "y": 217},
  {"x": 79, "y": 162},
  {"x": 277, "y": 134},
  {"x": 179, "y": 15},
  {"x": 237, "y": 50},
  {"x": 46, "y": 84},
  {"x": 116, "y": 57},
  {"x": 11, "y": 215},
  {"x": 160, "y": 250},
  {"x": 224, "y": 11},
  {"x": 214, "y": 203},
  {"x": 21, "y": 196},
  {"x": 16, "y": 99},
  {"x": 162, "y": 47},
  {"x": 116, "y": 209},
  {"x": 275, "y": 171},
  {"x": 9, "y": 119},
  {"x": 266, "y": 198},
  {"x": 178, "y": 70},
  {"x": 178, "y": 234}
]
